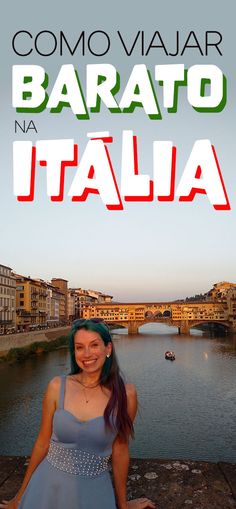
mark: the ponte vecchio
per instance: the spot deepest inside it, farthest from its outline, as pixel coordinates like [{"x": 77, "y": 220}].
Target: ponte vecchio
[{"x": 183, "y": 315}]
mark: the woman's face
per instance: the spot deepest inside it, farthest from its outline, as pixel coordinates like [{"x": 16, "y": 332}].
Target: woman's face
[{"x": 90, "y": 351}]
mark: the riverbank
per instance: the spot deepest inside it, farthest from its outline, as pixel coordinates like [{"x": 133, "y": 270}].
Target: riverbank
[
  {"x": 170, "y": 484},
  {"x": 17, "y": 347},
  {"x": 22, "y": 345}
]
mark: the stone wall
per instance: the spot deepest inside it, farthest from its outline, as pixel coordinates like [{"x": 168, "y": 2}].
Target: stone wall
[
  {"x": 170, "y": 484},
  {"x": 28, "y": 338}
]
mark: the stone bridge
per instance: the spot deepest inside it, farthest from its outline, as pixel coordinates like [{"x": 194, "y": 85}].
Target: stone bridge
[{"x": 183, "y": 315}]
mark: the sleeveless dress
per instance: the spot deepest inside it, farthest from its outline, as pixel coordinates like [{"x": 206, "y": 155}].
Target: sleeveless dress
[{"x": 74, "y": 474}]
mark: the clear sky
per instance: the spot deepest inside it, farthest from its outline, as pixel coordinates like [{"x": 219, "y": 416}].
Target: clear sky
[{"x": 148, "y": 251}]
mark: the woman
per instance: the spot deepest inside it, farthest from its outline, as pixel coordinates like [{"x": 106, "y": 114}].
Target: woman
[{"x": 87, "y": 417}]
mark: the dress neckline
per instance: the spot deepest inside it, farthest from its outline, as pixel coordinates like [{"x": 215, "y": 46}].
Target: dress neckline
[
  {"x": 62, "y": 400},
  {"x": 77, "y": 418}
]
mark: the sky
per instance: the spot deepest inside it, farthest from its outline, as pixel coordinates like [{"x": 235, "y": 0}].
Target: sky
[{"x": 150, "y": 250}]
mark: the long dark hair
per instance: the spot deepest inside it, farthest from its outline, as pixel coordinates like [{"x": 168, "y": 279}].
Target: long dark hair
[{"x": 116, "y": 412}]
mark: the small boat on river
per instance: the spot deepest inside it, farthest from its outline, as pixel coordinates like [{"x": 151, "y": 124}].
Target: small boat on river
[{"x": 170, "y": 356}]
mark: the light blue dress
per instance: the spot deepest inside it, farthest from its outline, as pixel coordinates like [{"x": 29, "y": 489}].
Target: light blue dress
[{"x": 74, "y": 474}]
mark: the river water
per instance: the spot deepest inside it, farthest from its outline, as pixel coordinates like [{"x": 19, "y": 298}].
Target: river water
[{"x": 187, "y": 408}]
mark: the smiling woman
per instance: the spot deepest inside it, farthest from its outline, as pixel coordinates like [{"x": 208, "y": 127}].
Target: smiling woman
[{"x": 87, "y": 419}]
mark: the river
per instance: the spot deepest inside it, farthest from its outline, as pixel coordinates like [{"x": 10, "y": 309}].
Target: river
[{"x": 187, "y": 408}]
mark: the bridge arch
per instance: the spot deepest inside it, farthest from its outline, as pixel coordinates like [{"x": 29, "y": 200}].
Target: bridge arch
[
  {"x": 184, "y": 326},
  {"x": 119, "y": 325},
  {"x": 210, "y": 326},
  {"x": 167, "y": 313},
  {"x": 149, "y": 314},
  {"x": 160, "y": 321},
  {"x": 158, "y": 314}
]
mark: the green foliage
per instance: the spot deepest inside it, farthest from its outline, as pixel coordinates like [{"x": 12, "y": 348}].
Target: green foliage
[{"x": 19, "y": 354}]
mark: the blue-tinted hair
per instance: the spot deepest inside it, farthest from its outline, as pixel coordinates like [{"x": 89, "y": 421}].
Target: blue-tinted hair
[{"x": 116, "y": 409}]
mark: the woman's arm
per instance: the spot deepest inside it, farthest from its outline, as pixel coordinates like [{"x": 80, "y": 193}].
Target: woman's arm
[
  {"x": 120, "y": 452},
  {"x": 41, "y": 445},
  {"x": 120, "y": 467}
]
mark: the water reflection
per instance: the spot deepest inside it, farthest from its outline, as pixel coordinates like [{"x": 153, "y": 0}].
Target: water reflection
[
  {"x": 187, "y": 408},
  {"x": 227, "y": 346}
]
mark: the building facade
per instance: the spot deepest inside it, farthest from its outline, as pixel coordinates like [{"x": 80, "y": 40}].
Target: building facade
[
  {"x": 71, "y": 299},
  {"x": 7, "y": 299},
  {"x": 79, "y": 299},
  {"x": 220, "y": 291},
  {"x": 99, "y": 296},
  {"x": 54, "y": 298},
  {"x": 62, "y": 285},
  {"x": 231, "y": 304},
  {"x": 31, "y": 302}
]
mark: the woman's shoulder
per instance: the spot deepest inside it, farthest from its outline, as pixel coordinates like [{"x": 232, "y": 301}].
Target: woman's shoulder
[
  {"x": 52, "y": 392},
  {"x": 54, "y": 385}
]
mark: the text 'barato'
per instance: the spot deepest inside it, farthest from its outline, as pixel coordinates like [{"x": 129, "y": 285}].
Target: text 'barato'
[{"x": 205, "y": 84}]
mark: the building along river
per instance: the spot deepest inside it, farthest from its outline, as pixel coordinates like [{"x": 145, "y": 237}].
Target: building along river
[{"x": 187, "y": 408}]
